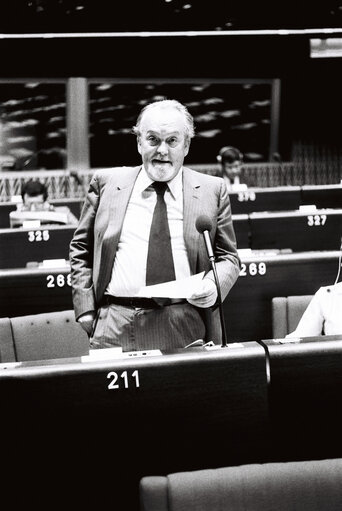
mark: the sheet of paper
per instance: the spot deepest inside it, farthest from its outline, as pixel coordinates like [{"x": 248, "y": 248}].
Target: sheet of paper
[{"x": 182, "y": 288}]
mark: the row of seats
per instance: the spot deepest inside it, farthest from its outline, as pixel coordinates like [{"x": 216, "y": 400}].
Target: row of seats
[
  {"x": 314, "y": 485},
  {"x": 53, "y": 335},
  {"x": 247, "y": 308},
  {"x": 49, "y": 335},
  {"x": 258, "y": 403}
]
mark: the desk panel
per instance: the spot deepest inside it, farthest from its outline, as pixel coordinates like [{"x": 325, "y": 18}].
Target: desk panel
[
  {"x": 74, "y": 204},
  {"x": 247, "y": 308},
  {"x": 278, "y": 198},
  {"x": 34, "y": 290},
  {"x": 5, "y": 209},
  {"x": 319, "y": 229},
  {"x": 242, "y": 230},
  {"x": 115, "y": 421},
  {"x": 305, "y": 396},
  {"x": 323, "y": 196},
  {"x": 20, "y": 246}
]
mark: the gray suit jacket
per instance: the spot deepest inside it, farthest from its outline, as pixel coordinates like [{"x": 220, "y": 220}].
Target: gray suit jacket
[{"x": 94, "y": 244}]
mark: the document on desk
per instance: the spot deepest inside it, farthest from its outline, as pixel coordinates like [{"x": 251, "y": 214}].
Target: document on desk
[{"x": 181, "y": 288}]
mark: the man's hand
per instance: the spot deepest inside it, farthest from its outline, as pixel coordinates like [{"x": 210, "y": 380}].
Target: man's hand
[
  {"x": 205, "y": 294},
  {"x": 86, "y": 321}
]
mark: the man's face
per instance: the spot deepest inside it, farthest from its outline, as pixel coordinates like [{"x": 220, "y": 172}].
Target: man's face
[
  {"x": 232, "y": 170},
  {"x": 35, "y": 203},
  {"x": 162, "y": 143}
]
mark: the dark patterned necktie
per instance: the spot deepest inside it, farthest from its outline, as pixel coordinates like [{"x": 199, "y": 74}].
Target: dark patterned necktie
[{"x": 160, "y": 266}]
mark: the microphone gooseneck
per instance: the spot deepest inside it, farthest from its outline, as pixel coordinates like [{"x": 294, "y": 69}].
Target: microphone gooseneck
[{"x": 204, "y": 226}]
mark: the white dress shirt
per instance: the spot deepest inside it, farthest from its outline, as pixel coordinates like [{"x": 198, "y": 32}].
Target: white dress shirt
[
  {"x": 129, "y": 269},
  {"x": 323, "y": 312}
]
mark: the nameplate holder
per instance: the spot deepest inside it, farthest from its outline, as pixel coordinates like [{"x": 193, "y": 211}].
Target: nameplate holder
[
  {"x": 289, "y": 340},
  {"x": 31, "y": 224},
  {"x": 54, "y": 263},
  {"x": 307, "y": 207}
]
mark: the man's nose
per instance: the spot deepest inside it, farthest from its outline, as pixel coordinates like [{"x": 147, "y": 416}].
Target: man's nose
[{"x": 163, "y": 148}]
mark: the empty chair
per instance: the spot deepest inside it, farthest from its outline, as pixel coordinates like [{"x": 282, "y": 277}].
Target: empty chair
[
  {"x": 286, "y": 313},
  {"x": 42, "y": 336},
  {"x": 313, "y": 485}
]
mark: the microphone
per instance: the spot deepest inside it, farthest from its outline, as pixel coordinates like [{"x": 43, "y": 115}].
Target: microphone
[{"x": 204, "y": 226}]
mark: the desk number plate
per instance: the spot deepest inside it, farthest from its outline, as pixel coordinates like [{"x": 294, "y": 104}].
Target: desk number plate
[{"x": 123, "y": 380}]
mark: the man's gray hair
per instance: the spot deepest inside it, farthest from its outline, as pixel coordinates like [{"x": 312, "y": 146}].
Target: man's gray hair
[{"x": 167, "y": 103}]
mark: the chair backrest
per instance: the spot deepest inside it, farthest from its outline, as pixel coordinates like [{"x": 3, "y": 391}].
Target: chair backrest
[
  {"x": 286, "y": 313},
  {"x": 302, "y": 485},
  {"x": 42, "y": 336}
]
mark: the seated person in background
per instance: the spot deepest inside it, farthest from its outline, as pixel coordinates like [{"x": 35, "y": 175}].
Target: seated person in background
[
  {"x": 323, "y": 316},
  {"x": 231, "y": 159},
  {"x": 35, "y": 206}
]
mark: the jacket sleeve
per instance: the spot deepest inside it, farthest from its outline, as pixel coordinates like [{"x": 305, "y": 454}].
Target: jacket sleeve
[
  {"x": 227, "y": 260},
  {"x": 82, "y": 252}
]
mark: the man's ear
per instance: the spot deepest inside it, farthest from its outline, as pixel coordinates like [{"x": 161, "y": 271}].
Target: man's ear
[
  {"x": 138, "y": 145},
  {"x": 219, "y": 158},
  {"x": 186, "y": 146}
]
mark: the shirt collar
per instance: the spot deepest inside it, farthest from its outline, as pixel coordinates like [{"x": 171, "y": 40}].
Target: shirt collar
[{"x": 175, "y": 184}]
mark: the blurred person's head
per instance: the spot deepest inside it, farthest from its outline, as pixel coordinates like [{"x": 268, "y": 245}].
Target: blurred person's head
[
  {"x": 231, "y": 160},
  {"x": 34, "y": 195},
  {"x": 164, "y": 130}
]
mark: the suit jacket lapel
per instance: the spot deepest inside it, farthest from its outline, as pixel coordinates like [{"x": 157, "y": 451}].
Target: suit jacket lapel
[
  {"x": 120, "y": 192},
  {"x": 118, "y": 195},
  {"x": 192, "y": 205}
]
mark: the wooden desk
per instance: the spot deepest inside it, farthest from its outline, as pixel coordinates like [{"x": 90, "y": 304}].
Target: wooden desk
[
  {"x": 323, "y": 196},
  {"x": 32, "y": 290},
  {"x": 74, "y": 204},
  {"x": 124, "y": 418},
  {"x": 21, "y": 245},
  {"x": 319, "y": 229},
  {"x": 242, "y": 230},
  {"x": 5, "y": 209},
  {"x": 278, "y": 198},
  {"x": 247, "y": 308},
  {"x": 285, "y": 198},
  {"x": 305, "y": 396}
]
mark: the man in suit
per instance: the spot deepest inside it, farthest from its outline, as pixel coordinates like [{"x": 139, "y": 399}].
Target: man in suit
[{"x": 111, "y": 255}]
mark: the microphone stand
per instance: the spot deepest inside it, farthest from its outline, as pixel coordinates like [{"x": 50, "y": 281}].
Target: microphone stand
[
  {"x": 223, "y": 326},
  {"x": 213, "y": 265}
]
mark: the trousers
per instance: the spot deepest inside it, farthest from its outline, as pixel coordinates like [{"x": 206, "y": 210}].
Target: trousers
[{"x": 166, "y": 328}]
